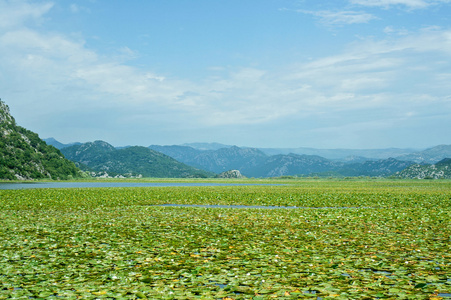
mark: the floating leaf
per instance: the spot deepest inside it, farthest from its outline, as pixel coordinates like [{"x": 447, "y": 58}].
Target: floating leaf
[{"x": 86, "y": 242}]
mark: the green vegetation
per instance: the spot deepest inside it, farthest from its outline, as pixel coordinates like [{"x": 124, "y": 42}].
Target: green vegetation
[
  {"x": 393, "y": 242},
  {"x": 440, "y": 170},
  {"x": 135, "y": 161},
  {"x": 23, "y": 155}
]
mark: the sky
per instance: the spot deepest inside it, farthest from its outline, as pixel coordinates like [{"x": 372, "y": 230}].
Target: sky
[{"x": 356, "y": 74}]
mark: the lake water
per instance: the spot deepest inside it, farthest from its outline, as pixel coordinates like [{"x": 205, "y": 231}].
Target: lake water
[
  {"x": 54, "y": 185},
  {"x": 251, "y": 206}
]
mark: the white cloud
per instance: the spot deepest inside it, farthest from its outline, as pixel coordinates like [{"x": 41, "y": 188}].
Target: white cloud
[
  {"x": 25, "y": 42},
  {"x": 399, "y": 31},
  {"x": 14, "y": 13},
  {"x": 58, "y": 75},
  {"x": 388, "y": 75},
  {"x": 367, "y": 75},
  {"x": 75, "y": 8},
  {"x": 340, "y": 17},
  {"x": 411, "y": 4}
]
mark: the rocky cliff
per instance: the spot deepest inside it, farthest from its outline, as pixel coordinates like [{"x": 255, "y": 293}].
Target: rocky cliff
[{"x": 23, "y": 155}]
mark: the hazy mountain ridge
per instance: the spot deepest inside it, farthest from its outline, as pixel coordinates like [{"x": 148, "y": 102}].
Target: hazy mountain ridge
[
  {"x": 342, "y": 154},
  {"x": 59, "y": 145},
  {"x": 253, "y": 162},
  {"x": 23, "y": 155},
  {"x": 131, "y": 161},
  {"x": 430, "y": 155},
  {"x": 207, "y": 146},
  {"x": 291, "y": 164},
  {"x": 381, "y": 168},
  {"x": 180, "y": 153},
  {"x": 233, "y": 158},
  {"x": 217, "y": 161}
]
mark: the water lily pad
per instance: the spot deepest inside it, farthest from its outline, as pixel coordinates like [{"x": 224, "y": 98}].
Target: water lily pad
[{"x": 110, "y": 243}]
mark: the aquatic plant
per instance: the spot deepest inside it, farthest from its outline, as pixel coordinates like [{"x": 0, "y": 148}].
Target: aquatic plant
[{"x": 113, "y": 243}]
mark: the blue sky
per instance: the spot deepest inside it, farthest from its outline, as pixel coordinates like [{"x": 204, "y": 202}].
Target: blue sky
[{"x": 267, "y": 73}]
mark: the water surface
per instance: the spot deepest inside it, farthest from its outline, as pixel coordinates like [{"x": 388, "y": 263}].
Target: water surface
[
  {"x": 253, "y": 206},
  {"x": 47, "y": 185}
]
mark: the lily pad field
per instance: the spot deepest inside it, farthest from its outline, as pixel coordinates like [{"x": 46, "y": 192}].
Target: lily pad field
[{"x": 347, "y": 239}]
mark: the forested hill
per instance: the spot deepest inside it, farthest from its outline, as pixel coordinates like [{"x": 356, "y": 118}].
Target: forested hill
[
  {"x": 23, "y": 155},
  {"x": 99, "y": 156}
]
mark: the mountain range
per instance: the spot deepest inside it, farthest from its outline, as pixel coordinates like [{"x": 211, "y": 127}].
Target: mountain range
[
  {"x": 136, "y": 161},
  {"x": 429, "y": 156},
  {"x": 254, "y": 162},
  {"x": 23, "y": 155},
  {"x": 334, "y": 154}
]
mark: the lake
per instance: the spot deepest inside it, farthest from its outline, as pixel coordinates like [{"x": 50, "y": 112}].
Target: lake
[{"x": 55, "y": 185}]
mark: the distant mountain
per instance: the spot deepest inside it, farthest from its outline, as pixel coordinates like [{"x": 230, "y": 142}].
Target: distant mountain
[
  {"x": 379, "y": 168},
  {"x": 23, "y": 155},
  {"x": 341, "y": 154},
  {"x": 291, "y": 164},
  {"x": 88, "y": 153},
  {"x": 206, "y": 146},
  {"x": 295, "y": 164},
  {"x": 59, "y": 145},
  {"x": 355, "y": 159},
  {"x": 217, "y": 161},
  {"x": 429, "y": 156},
  {"x": 252, "y": 162},
  {"x": 183, "y": 154},
  {"x": 233, "y": 158},
  {"x": 440, "y": 170},
  {"x": 137, "y": 160}
]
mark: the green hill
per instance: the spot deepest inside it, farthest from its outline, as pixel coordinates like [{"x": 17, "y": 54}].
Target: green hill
[
  {"x": 440, "y": 170},
  {"x": 100, "y": 156},
  {"x": 23, "y": 155}
]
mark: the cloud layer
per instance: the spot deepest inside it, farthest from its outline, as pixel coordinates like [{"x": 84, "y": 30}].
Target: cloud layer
[
  {"x": 373, "y": 85},
  {"x": 412, "y": 4}
]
